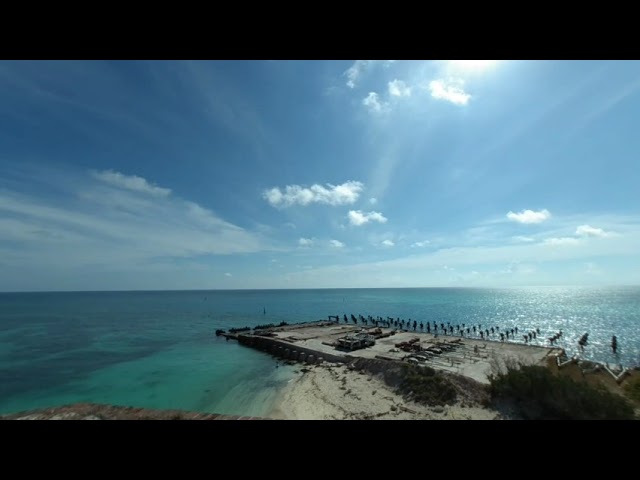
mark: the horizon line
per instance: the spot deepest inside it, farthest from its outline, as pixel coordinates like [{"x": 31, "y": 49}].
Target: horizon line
[{"x": 322, "y": 288}]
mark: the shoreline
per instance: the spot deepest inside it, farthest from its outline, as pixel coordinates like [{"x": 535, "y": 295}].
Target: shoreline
[{"x": 331, "y": 391}]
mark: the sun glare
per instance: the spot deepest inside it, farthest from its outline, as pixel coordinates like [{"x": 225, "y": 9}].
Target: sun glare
[{"x": 472, "y": 66}]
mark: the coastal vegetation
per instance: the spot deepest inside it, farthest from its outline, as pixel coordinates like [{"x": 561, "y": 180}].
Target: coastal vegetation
[
  {"x": 537, "y": 394},
  {"x": 238, "y": 330},
  {"x": 424, "y": 385},
  {"x": 632, "y": 389},
  {"x": 531, "y": 392}
]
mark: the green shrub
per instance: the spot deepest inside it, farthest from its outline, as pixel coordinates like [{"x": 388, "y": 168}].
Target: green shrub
[
  {"x": 632, "y": 389},
  {"x": 539, "y": 394},
  {"x": 426, "y": 386}
]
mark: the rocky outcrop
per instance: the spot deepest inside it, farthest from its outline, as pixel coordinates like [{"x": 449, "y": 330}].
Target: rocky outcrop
[{"x": 93, "y": 411}]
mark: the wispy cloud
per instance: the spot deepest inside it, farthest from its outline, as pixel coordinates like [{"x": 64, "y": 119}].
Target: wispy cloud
[
  {"x": 398, "y": 88},
  {"x": 358, "y": 217},
  {"x": 589, "y": 231},
  {"x": 529, "y": 216},
  {"x": 336, "y": 243},
  {"x": 539, "y": 262},
  {"x": 388, "y": 243},
  {"x": 344, "y": 194},
  {"x": 356, "y": 70},
  {"x": 373, "y": 201},
  {"x": 449, "y": 90},
  {"x": 227, "y": 274},
  {"x": 591, "y": 268},
  {"x": 373, "y": 103},
  {"x": 520, "y": 238},
  {"x": 115, "y": 223},
  {"x": 305, "y": 242},
  {"x": 130, "y": 182},
  {"x": 420, "y": 244},
  {"x": 561, "y": 241},
  {"x": 221, "y": 101}
]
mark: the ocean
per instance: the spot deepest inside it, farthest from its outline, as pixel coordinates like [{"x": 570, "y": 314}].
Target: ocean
[{"x": 159, "y": 349}]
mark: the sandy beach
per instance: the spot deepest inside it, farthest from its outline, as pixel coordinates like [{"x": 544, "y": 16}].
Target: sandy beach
[{"x": 334, "y": 392}]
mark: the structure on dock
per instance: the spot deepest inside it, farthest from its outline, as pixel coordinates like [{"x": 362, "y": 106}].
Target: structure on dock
[{"x": 356, "y": 341}]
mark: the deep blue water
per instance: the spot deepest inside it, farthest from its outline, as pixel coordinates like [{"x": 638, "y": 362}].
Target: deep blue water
[{"x": 158, "y": 349}]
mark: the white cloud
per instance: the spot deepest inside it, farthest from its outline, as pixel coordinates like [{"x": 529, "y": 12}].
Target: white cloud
[
  {"x": 305, "y": 242},
  {"x": 388, "y": 243},
  {"x": 373, "y": 201},
  {"x": 344, "y": 194},
  {"x": 449, "y": 90},
  {"x": 130, "y": 182},
  {"x": 521, "y": 238},
  {"x": 274, "y": 196},
  {"x": 529, "y": 216},
  {"x": 336, "y": 243},
  {"x": 227, "y": 274},
  {"x": 420, "y": 244},
  {"x": 356, "y": 70},
  {"x": 373, "y": 103},
  {"x": 358, "y": 217},
  {"x": 398, "y": 88},
  {"x": 561, "y": 241},
  {"x": 589, "y": 231}
]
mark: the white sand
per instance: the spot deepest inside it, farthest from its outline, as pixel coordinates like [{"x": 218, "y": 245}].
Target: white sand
[{"x": 333, "y": 392}]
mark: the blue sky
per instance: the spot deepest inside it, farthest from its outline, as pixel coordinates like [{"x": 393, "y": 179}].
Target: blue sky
[{"x": 302, "y": 174}]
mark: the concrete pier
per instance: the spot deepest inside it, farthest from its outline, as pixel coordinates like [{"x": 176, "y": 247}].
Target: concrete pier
[{"x": 316, "y": 342}]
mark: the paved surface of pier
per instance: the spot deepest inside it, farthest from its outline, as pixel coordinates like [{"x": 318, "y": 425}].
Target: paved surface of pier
[{"x": 466, "y": 356}]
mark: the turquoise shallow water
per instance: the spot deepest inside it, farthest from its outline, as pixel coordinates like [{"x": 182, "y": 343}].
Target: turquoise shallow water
[{"x": 158, "y": 349}]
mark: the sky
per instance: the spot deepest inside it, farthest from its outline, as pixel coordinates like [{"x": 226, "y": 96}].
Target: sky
[{"x": 145, "y": 175}]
